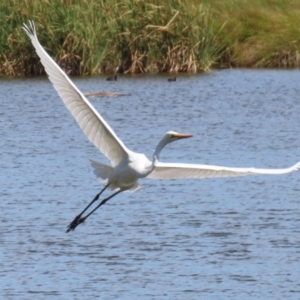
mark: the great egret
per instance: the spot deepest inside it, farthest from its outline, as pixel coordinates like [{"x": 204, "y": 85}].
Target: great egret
[{"x": 127, "y": 167}]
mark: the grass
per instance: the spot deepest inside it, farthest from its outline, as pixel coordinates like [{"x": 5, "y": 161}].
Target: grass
[{"x": 136, "y": 36}]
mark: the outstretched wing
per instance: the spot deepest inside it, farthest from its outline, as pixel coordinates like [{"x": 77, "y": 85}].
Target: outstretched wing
[
  {"x": 180, "y": 171},
  {"x": 89, "y": 120}
]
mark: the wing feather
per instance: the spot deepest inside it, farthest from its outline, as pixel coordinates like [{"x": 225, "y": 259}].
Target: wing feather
[
  {"x": 88, "y": 119},
  {"x": 181, "y": 171}
]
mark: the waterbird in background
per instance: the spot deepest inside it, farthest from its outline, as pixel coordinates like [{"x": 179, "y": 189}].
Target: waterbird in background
[
  {"x": 114, "y": 78},
  {"x": 172, "y": 79},
  {"x": 127, "y": 167}
]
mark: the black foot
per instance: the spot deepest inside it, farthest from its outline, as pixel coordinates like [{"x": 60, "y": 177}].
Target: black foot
[{"x": 75, "y": 223}]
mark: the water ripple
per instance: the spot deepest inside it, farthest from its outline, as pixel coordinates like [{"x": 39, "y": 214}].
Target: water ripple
[{"x": 231, "y": 238}]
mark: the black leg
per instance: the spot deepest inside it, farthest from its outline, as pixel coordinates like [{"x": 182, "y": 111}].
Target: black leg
[
  {"x": 80, "y": 219},
  {"x": 75, "y": 221}
]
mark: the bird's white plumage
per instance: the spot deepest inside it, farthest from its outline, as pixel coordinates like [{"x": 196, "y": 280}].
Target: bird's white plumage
[
  {"x": 181, "y": 171},
  {"x": 127, "y": 166},
  {"x": 89, "y": 120}
]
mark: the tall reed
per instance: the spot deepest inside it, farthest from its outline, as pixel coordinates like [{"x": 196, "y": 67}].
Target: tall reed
[{"x": 129, "y": 36}]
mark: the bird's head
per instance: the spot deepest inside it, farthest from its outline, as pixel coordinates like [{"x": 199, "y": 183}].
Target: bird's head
[{"x": 169, "y": 137}]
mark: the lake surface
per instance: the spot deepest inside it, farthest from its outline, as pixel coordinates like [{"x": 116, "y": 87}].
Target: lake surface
[{"x": 227, "y": 238}]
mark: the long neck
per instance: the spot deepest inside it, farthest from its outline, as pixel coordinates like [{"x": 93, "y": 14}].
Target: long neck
[{"x": 158, "y": 148}]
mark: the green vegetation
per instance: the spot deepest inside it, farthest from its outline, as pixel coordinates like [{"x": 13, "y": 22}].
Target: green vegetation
[{"x": 96, "y": 36}]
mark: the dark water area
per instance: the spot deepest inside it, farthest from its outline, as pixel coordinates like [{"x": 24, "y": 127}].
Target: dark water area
[{"x": 227, "y": 238}]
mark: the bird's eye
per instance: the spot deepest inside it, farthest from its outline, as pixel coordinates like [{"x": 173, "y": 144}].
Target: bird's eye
[{"x": 172, "y": 136}]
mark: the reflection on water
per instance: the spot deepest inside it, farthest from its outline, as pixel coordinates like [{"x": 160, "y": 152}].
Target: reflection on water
[{"x": 234, "y": 238}]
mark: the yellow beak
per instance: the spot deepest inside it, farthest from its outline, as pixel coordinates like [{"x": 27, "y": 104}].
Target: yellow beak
[{"x": 183, "y": 135}]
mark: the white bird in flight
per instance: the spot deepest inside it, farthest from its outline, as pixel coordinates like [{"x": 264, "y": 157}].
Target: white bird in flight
[{"x": 127, "y": 167}]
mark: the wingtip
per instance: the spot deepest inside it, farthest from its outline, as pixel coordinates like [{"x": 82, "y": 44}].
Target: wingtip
[
  {"x": 29, "y": 28},
  {"x": 297, "y": 166}
]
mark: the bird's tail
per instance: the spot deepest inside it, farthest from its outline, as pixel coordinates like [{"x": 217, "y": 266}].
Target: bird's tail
[{"x": 101, "y": 171}]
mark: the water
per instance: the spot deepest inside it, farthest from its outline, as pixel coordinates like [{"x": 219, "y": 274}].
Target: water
[{"x": 230, "y": 238}]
